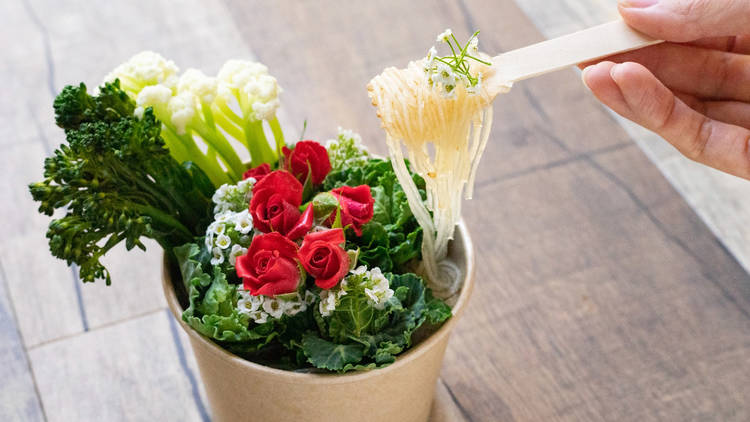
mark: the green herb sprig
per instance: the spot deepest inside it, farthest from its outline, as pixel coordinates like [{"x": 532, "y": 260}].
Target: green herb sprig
[{"x": 448, "y": 71}]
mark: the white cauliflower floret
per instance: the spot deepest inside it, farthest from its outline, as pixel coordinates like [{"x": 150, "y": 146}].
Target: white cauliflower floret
[
  {"x": 156, "y": 96},
  {"x": 249, "y": 84},
  {"x": 144, "y": 69},
  {"x": 182, "y": 109},
  {"x": 202, "y": 86}
]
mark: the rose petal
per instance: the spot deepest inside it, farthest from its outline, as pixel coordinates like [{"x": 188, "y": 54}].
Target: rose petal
[{"x": 303, "y": 225}]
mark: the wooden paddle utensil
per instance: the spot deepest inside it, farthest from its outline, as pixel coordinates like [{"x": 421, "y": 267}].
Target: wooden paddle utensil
[{"x": 558, "y": 53}]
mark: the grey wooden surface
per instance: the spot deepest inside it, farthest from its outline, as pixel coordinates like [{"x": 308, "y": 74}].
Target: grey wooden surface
[{"x": 663, "y": 336}]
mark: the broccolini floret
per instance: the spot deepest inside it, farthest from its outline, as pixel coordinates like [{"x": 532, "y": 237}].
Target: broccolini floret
[{"x": 116, "y": 181}]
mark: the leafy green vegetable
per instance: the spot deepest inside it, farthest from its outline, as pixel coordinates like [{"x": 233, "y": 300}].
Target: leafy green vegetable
[
  {"x": 357, "y": 335},
  {"x": 324, "y": 354},
  {"x": 213, "y": 304},
  {"x": 116, "y": 181},
  {"x": 392, "y": 238}
]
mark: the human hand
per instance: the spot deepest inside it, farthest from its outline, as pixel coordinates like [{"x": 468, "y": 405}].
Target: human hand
[{"x": 694, "y": 90}]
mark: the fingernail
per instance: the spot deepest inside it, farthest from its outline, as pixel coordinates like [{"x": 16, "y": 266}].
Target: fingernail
[
  {"x": 637, "y": 4},
  {"x": 614, "y": 72},
  {"x": 583, "y": 75}
]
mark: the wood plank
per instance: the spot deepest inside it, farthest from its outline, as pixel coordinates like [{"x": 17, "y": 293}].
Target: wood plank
[
  {"x": 722, "y": 201},
  {"x": 131, "y": 371},
  {"x": 41, "y": 287},
  {"x": 594, "y": 313},
  {"x": 68, "y": 42},
  {"x": 18, "y": 399},
  {"x": 592, "y": 303},
  {"x": 325, "y": 76}
]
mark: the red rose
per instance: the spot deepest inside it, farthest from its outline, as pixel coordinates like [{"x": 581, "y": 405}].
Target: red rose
[
  {"x": 269, "y": 267},
  {"x": 323, "y": 257},
  {"x": 307, "y": 157},
  {"x": 356, "y": 204},
  {"x": 257, "y": 172},
  {"x": 275, "y": 203}
]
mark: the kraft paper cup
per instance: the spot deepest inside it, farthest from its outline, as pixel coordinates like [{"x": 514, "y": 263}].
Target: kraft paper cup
[{"x": 240, "y": 390}]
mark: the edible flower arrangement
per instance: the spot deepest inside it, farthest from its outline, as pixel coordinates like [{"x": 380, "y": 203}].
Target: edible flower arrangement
[{"x": 303, "y": 257}]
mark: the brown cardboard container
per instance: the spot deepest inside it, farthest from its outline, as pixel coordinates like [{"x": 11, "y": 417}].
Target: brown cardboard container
[{"x": 240, "y": 390}]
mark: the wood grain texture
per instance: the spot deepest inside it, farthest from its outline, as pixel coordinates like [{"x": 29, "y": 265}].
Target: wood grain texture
[
  {"x": 722, "y": 201},
  {"x": 18, "y": 398},
  {"x": 601, "y": 295},
  {"x": 68, "y": 42},
  {"x": 132, "y": 371}
]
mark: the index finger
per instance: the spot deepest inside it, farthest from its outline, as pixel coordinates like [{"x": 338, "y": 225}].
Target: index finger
[{"x": 686, "y": 20}]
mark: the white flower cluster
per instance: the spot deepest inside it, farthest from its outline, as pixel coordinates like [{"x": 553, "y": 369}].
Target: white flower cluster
[
  {"x": 346, "y": 150},
  {"x": 228, "y": 236},
  {"x": 329, "y": 299},
  {"x": 260, "y": 308},
  {"x": 443, "y": 75},
  {"x": 376, "y": 287},
  {"x": 249, "y": 84},
  {"x": 233, "y": 197}
]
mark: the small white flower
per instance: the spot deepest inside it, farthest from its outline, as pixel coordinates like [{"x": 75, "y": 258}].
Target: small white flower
[
  {"x": 243, "y": 222},
  {"x": 293, "y": 308},
  {"x": 474, "y": 45},
  {"x": 359, "y": 270},
  {"x": 248, "y": 303},
  {"x": 309, "y": 297},
  {"x": 236, "y": 251},
  {"x": 476, "y": 88},
  {"x": 245, "y": 240},
  {"x": 223, "y": 241},
  {"x": 274, "y": 307},
  {"x": 224, "y": 217},
  {"x": 378, "y": 289},
  {"x": 218, "y": 256},
  {"x": 444, "y": 75},
  {"x": 327, "y": 302},
  {"x": 259, "y": 317},
  {"x": 429, "y": 61},
  {"x": 220, "y": 193},
  {"x": 444, "y": 36}
]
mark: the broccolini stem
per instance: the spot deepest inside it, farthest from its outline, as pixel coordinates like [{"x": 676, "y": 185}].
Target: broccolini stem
[{"x": 166, "y": 222}]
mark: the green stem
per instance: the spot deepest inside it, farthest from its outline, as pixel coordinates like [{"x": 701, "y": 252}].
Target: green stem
[
  {"x": 165, "y": 220},
  {"x": 257, "y": 144},
  {"x": 227, "y": 111},
  {"x": 278, "y": 135},
  {"x": 211, "y": 168},
  {"x": 215, "y": 139},
  {"x": 234, "y": 130}
]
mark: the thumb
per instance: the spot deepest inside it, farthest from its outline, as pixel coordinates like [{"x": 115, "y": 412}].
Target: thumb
[{"x": 686, "y": 20}]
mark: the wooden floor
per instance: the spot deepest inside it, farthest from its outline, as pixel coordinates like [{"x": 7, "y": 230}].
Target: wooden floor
[{"x": 601, "y": 295}]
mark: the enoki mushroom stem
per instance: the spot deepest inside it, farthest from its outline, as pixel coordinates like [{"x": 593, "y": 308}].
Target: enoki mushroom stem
[{"x": 414, "y": 116}]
